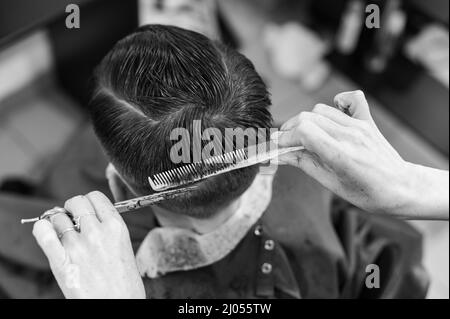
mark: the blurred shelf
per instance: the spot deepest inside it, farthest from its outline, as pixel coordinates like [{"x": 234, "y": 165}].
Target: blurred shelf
[{"x": 407, "y": 91}]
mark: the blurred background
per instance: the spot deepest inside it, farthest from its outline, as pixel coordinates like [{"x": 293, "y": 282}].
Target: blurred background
[{"x": 306, "y": 50}]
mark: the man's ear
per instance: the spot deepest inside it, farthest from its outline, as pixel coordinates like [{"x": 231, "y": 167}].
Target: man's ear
[{"x": 118, "y": 187}]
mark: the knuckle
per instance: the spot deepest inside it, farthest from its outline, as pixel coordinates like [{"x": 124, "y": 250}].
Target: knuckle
[
  {"x": 69, "y": 203},
  {"x": 304, "y": 131},
  {"x": 319, "y": 108},
  {"x": 93, "y": 236},
  {"x": 306, "y": 126},
  {"x": 115, "y": 226},
  {"x": 364, "y": 128},
  {"x": 37, "y": 227},
  {"x": 99, "y": 198},
  {"x": 303, "y": 117},
  {"x": 76, "y": 250},
  {"x": 94, "y": 194},
  {"x": 349, "y": 95},
  {"x": 358, "y": 93}
]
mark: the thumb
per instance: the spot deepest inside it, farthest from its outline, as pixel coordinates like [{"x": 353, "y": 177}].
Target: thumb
[{"x": 355, "y": 104}]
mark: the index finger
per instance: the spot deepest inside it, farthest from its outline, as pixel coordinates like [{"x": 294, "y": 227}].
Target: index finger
[
  {"x": 102, "y": 205},
  {"x": 49, "y": 242}
]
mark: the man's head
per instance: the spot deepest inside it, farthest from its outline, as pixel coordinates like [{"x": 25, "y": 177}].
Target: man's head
[{"x": 161, "y": 78}]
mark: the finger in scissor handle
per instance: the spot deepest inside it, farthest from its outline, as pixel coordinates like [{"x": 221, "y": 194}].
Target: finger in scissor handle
[{"x": 48, "y": 215}]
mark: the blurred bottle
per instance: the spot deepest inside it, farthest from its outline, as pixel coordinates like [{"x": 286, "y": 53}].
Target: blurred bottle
[
  {"x": 387, "y": 37},
  {"x": 352, "y": 23}
]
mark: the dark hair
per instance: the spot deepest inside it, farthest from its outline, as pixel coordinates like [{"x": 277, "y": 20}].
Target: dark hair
[{"x": 160, "y": 78}]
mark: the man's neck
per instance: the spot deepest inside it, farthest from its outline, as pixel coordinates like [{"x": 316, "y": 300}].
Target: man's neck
[{"x": 201, "y": 226}]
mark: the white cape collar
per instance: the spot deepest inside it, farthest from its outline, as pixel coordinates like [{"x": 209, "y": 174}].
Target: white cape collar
[{"x": 167, "y": 249}]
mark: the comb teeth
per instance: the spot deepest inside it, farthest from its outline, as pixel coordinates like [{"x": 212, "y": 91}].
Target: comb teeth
[
  {"x": 195, "y": 172},
  {"x": 216, "y": 165}
]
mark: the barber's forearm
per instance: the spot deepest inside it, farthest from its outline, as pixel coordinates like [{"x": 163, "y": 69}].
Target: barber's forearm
[{"x": 428, "y": 196}]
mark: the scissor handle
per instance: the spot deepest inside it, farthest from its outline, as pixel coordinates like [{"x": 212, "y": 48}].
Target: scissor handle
[{"x": 47, "y": 214}]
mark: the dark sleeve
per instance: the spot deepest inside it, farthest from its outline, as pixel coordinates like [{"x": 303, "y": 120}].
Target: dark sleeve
[{"x": 391, "y": 245}]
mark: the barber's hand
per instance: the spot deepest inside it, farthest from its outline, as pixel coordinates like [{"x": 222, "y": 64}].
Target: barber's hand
[
  {"x": 349, "y": 155},
  {"x": 98, "y": 261}
]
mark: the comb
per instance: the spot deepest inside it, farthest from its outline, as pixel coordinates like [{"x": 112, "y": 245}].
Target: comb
[{"x": 216, "y": 165}]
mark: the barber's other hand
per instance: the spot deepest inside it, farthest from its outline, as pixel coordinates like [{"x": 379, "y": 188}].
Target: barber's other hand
[
  {"x": 98, "y": 261},
  {"x": 349, "y": 156}
]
